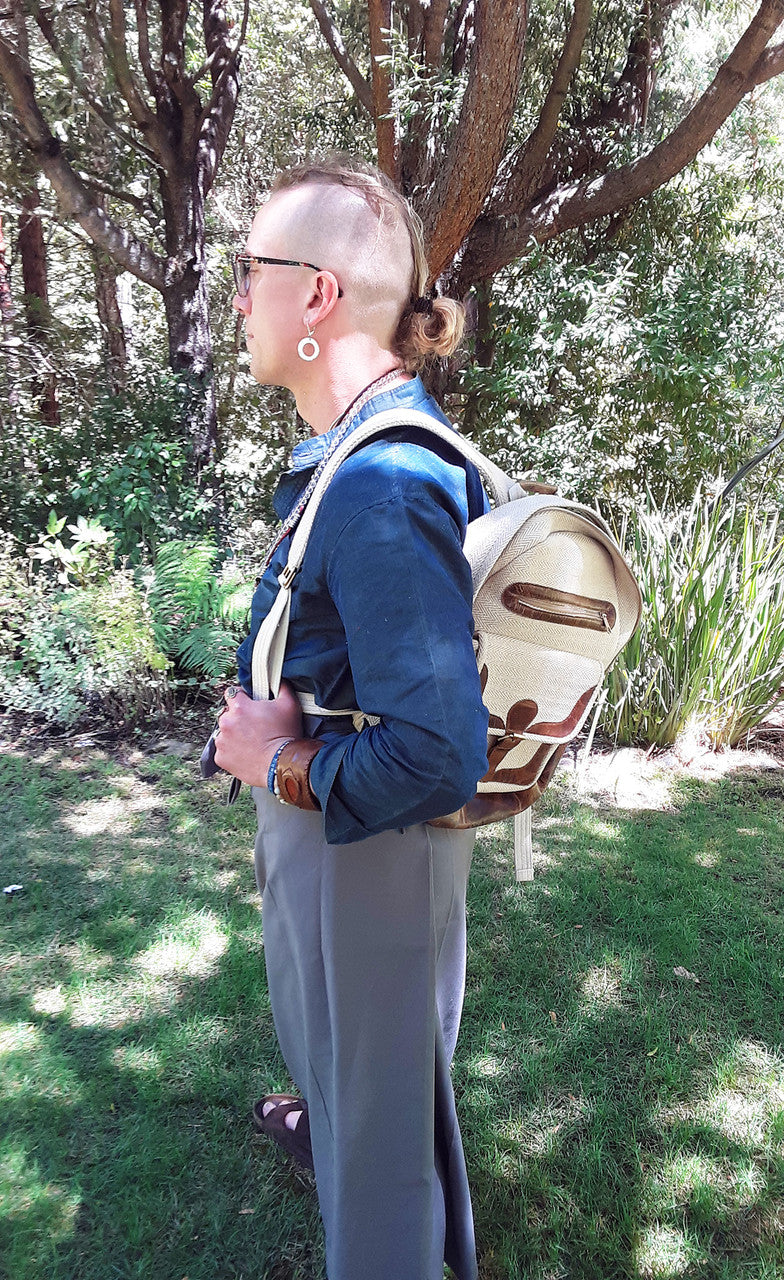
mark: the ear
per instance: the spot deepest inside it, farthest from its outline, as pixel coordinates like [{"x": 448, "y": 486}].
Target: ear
[{"x": 323, "y": 299}]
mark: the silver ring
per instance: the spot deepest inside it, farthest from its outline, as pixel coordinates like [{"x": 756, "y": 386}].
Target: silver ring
[{"x": 231, "y": 692}]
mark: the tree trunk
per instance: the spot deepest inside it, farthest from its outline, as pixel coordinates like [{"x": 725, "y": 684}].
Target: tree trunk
[
  {"x": 186, "y": 305},
  {"x": 111, "y": 321},
  {"x": 32, "y": 251},
  {"x": 9, "y": 340},
  {"x": 166, "y": 121}
]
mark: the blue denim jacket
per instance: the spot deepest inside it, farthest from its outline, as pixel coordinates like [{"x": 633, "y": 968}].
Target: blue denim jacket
[{"x": 381, "y": 620}]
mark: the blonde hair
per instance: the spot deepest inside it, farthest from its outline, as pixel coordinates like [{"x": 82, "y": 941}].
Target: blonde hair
[{"x": 424, "y": 334}]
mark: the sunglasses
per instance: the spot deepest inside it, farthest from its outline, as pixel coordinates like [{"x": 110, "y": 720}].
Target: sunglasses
[{"x": 241, "y": 264}]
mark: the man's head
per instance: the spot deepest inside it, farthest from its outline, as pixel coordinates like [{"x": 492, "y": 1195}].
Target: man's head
[
  {"x": 357, "y": 224},
  {"x": 348, "y": 219}
]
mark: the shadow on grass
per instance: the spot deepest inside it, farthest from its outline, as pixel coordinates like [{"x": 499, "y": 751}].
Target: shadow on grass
[
  {"x": 619, "y": 1120},
  {"x": 136, "y": 1034},
  {"x": 622, "y": 1120}
]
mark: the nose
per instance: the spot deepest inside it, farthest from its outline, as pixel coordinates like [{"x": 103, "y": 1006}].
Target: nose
[{"x": 241, "y": 304}]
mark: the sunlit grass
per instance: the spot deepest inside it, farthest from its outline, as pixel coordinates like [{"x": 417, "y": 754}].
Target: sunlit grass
[{"x": 622, "y": 1121}]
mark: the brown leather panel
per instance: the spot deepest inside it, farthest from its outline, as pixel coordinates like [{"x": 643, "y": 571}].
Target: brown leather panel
[
  {"x": 524, "y": 776},
  {"x": 558, "y": 728},
  {"x": 495, "y": 806},
  {"x": 531, "y": 600},
  {"x": 537, "y": 486},
  {"x": 293, "y": 772},
  {"x": 521, "y": 715}
]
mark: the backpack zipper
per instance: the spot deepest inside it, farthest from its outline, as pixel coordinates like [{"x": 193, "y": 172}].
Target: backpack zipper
[{"x": 548, "y": 604}]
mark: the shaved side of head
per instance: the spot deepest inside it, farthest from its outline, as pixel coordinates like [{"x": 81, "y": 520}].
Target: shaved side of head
[
  {"x": 365, "y": 242},
  {"x": 347, "y": 217}
]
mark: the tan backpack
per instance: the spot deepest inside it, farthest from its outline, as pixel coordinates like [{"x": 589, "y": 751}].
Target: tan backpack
[{"x": 554, "y": 604}]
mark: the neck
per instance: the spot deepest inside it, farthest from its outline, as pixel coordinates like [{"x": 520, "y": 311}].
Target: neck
[{"x": 330, "y": 391}]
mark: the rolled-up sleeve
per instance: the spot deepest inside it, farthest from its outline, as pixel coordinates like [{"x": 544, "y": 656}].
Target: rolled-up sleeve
[{"x": 400, "y": 583}]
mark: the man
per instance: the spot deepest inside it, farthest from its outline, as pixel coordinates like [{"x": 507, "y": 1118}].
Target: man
[{"x": 363, "y": 902}]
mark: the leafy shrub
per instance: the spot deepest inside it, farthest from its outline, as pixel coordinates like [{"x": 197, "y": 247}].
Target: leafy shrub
[
  {"x": 123, "y": 459},
  {"x": 67, "y": 652},
  {"x": 709, "y": 653},
  {"x": 88, "y": 559},
  {"x": 142, "y": 483},
  {"x": 199, "y": 609}
]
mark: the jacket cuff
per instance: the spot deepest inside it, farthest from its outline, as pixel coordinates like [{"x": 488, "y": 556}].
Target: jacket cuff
[{"x": 293, "y": 770}]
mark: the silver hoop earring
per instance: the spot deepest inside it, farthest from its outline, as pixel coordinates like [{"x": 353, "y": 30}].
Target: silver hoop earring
[{"x": 307, "y": 348}]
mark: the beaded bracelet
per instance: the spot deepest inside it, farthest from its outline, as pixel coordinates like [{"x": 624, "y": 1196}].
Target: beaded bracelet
[{"x": 273, "y": 767}]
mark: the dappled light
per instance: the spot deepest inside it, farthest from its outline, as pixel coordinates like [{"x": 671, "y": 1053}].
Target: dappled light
[
  {"x": 620, "y": 1077},
  {"x": 601, "y": 986},
  {"x": 194, "y": 949},
  {"x": 118, "y": 814},
  {"x": 34, "y": 1201},
  {"x": 665, "y": 1253}
]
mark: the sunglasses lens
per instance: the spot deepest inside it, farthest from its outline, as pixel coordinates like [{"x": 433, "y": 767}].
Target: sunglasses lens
[{"x": 242, "y": 275}]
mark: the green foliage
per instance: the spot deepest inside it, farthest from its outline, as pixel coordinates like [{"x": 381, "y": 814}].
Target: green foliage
[
  {"x": 87, "y": 559},
  {"x": 709, "y": 654},
  {"x": 122, "y": 459},
  {"x": 654, "y": 368},
  {"x": 71, "y": 651},
  {"x": 143, "y": 483},
  {"x": 199, "y": 608}
]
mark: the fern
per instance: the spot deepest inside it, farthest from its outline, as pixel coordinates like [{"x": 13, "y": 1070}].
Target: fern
[{"x": 199, "y": 608}]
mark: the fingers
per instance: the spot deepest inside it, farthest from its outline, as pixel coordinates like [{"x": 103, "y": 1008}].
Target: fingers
[{"x": 234, "y": 694}]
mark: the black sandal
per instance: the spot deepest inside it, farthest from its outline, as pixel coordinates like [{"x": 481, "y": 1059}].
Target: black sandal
[{"x": 295, "y": 1142}]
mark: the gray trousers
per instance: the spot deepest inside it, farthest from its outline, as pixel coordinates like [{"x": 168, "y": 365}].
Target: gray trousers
[{"x": 365, "y": 953}]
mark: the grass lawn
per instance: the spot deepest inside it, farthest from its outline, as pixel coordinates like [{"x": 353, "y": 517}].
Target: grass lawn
[{"x": 620, "y": 1075}]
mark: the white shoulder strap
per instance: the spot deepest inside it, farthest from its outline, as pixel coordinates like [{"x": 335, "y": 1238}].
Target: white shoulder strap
[
  {"x": 499, "y": 483},
  {"x": 270, "y": 644}
]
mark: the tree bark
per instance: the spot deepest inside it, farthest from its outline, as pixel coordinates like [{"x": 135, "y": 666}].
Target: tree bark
[
  {"x": 9, "y": 342},
  {"x": 469, "y": 167},
  {"x": 339, "y": 52},
  {"x": 32, "y": 251},
  {"x": 380, "y": 20},
  {"x": 110, "y": 320},
  {"x": 184, "y": 137},
  {"x": 499, "y": 240},
  {"x": 186, "y": 303}
]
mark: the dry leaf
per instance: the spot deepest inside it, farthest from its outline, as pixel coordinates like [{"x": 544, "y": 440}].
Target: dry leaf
[
  {"x": 553, "y": 1016},
  {"x": 680, "y": 972}
]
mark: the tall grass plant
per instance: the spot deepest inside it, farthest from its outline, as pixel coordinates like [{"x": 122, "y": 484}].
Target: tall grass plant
[{"x": 709, "y": 653}]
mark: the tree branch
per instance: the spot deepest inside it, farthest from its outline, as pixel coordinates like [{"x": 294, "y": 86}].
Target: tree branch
[
  {"x": 118, "y": 59},
  {"x": 143, "y": 44},
  {"x": 218, "y": 116},
  {"x": 126, "y": 249},
  {"x": 341, "y": 55},
  {"x": 82, "y": 87},
  {"x": 174, "y": 15},
  {"x": 138, "y": 203},
  {"x": 435, "y": 31},
  {"x": 463, "y": 28},
  {"x": 499, "y": 241},
  {"x": 415, "y": 27},
  {"x": 379, "y": 22},
  {"x": 770, "y": 64},
  {"x": 469, "y": 167},
  {"x": 525, "y": 168}
]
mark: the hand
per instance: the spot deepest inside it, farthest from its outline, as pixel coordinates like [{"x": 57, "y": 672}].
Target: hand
[{"x": 249, "y": 733}]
